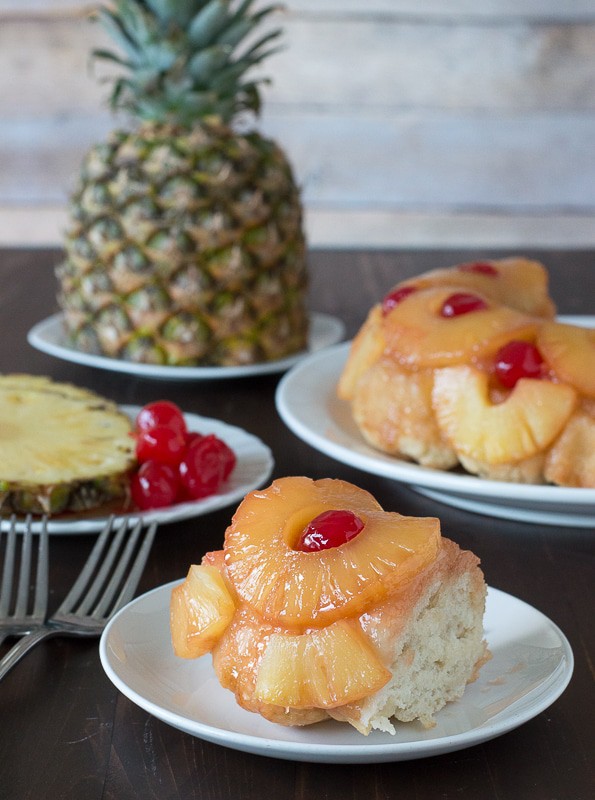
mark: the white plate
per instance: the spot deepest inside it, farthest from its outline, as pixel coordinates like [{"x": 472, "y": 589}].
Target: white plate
[
  {"x": 307, "y": 402},
  {"x": 254, "y": 466},
  {"x": 531, "y": 666},
  {"x": 49, "y": 337}
]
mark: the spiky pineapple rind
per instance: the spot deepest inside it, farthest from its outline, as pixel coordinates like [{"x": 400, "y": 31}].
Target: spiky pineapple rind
[{"x": 217, "y": 278}]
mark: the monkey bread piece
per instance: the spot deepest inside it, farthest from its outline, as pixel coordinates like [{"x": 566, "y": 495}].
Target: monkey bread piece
[
  {"x": 366, "y": 623},
  {"x": 466, "y": 367}
]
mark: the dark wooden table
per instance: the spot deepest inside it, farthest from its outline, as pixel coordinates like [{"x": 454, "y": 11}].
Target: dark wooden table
[{"x": 66, "y": 732}]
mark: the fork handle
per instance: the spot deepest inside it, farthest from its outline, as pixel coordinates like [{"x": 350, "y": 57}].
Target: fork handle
[{"x": 22, "y": 647}]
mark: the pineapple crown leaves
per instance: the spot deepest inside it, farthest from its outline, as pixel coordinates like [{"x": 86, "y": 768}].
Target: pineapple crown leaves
[{"x": 187, "y": 59}]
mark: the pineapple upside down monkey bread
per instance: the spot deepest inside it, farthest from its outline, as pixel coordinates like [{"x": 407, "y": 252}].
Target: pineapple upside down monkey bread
[
  {"x": 323, "y": 605},
  {"x": 466, "y": 366}
]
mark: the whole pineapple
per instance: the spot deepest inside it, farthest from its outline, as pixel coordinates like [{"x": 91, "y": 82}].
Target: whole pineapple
[{"x": 186, "y": 244}]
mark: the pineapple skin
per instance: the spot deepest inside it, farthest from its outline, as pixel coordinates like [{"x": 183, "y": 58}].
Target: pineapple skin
[{"x": 186, "y": 247}]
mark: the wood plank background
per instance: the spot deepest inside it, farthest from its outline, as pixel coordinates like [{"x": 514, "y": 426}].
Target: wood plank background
[{"x": 409, "y": 122}]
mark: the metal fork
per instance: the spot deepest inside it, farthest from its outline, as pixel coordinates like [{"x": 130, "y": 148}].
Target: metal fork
[
  {"x": 20, "y": 620},
  {"x": 106, "y": 583}
]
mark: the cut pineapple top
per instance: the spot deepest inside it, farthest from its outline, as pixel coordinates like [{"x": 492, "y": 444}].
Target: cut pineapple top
[
  {"x": 52, "y": 434},
  {"x": 21, "y": 381}
]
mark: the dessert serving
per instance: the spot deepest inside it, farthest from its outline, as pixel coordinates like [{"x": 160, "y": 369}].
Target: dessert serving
[
  {"x": 323, "y": 605},
  {"x": 467, "y": 367}
]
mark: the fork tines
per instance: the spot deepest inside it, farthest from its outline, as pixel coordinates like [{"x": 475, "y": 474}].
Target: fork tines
[
  {"x": 20, "y": 608},
  {"x": 112, "y": 572}
]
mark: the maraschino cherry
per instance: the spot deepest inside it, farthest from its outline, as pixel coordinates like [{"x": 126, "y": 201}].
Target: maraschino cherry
[
  {"x": 517, "y": 360},
  {"x": 329, "y": 529},
  {"x": 394, "y": 297},
  {"x": 175, "y": 464},
  {"x": 155, "y": 485},
  {"x": 481, "y": 267},
  {"x": 161, "y": 413},
  {"x": 462, "y": 303}
]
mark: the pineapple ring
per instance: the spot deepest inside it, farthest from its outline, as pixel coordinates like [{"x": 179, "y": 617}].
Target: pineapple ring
[
  {"x": 366, "y": 350},
  {"x": 518, "y": 282},
  {"x": 418, "y": 336},
  {"x": 570, "y": 351},
  {"x": 304, "y": 590},
  {"x": 524, "y": 424}
]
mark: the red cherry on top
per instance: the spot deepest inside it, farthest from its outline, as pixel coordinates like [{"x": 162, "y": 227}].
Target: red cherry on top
[
  {"x": 482, "y": 267},
  {"x": 517, "y": 360},
  {"x": 329, "y": 529},
  {"x": 394, "y": 297},
  {"x": 161, "y": 413},
  {"x": 462, "y": 303}
]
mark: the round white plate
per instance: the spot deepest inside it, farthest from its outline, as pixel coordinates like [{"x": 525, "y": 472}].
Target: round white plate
[
  {"x": 254, "y": 466},
  {"x": 531, "y": 666},
  {"x": 307, "y": 402},
  {"x": 49, "y": 337}
]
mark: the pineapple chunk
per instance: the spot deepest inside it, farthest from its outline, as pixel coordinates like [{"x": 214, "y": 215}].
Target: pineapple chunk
[
  {"x": 299, "y": 589},
  {"x": 366, "y": 349},
  {"x": 570, "y": 351},
  {"x": 519, "y": 283},
  {"x": 522, "y": 425},
  {"x": 418, "y": 336},
  {"x": 571, "y": 460},
  {"x": 322, "y": 669},
  {"x": 201, "y": 608}
]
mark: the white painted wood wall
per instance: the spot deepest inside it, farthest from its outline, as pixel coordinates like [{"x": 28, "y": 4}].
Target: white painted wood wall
[{"x": 409, "y": 122}]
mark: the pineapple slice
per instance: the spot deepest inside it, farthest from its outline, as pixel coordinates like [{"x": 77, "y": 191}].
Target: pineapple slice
[
  {"x": 522, "y": 425},
  {"x": 322, "y": 669},
  {"x": 41, "y": 383},
  {"x": 293, "y": 588},
  {"x": 570, "y": 351},
  {"x": 60, "y": 447},
  {"x": 516, "y": 282},
  {"x": 366, "y": 350},
  {"x": 418, "y": 336},
  {"x": 201, "y": 608}
]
